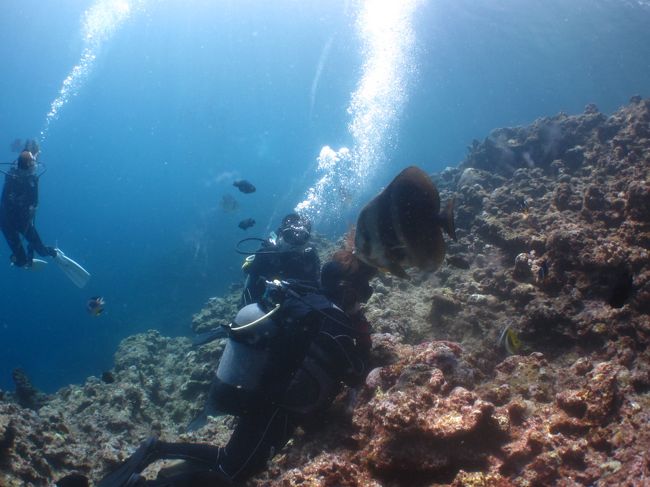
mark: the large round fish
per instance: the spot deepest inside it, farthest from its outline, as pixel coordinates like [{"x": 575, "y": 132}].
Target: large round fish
[{"x": 402, "y": 226}]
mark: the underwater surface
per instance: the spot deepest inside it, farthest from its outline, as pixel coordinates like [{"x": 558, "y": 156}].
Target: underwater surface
[{"x": 147, "y": 111}]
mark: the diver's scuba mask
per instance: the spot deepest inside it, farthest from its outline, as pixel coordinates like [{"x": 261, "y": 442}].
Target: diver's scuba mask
[{"x": 295, "y": 234}]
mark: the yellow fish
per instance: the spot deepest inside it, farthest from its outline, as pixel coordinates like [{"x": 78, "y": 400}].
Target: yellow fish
[{"x": 510, "y": 340}]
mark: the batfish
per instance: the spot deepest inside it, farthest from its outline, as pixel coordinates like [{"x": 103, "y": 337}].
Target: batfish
[
  {"x": 244, "y": 186},
  {"x": 402, "y": 226},
  {"x": 246, "y": 224}
]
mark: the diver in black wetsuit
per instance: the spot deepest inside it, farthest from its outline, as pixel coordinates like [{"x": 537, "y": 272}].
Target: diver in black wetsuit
[
  {"x": 286, "y": 255},
  {"x": 18, "y": 210},
  {"x": 297, "y": 358}
]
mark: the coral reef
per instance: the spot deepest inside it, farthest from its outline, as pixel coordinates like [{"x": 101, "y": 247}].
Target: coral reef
[
  {"x": 26, "y": 394},
  {"x": 553, "y": 221}
]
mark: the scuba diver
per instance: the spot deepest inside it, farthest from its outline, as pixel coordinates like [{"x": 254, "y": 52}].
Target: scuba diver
[
  {"x": 284, "y": 255},
  {"x": 17, "y": 215},
  {"x": 18, "y": 209},
  {"x": 299, "y": 345}
]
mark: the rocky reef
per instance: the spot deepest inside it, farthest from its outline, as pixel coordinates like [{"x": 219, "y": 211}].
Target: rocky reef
[{"x": 553, "y": 257}]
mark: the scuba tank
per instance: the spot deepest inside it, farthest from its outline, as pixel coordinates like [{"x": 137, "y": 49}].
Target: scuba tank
[
  {"x": 245, "y": 357},
  {"x": 253, "y": 365}
]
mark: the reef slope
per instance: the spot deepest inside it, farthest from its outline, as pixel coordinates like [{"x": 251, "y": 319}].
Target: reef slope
[{"x": 553, "y": 222}]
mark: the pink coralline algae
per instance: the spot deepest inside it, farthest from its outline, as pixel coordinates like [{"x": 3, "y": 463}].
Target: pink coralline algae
[{"x": 553, "y": 225}]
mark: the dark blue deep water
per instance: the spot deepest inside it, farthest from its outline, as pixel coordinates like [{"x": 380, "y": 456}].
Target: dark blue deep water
[{"x": 178, "y": 98}]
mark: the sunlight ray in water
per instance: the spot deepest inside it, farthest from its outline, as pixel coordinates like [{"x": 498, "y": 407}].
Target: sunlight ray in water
[
  {"x": 99, "y": 23},
  {"x": 324, "y": 55},
  {"x": 387, "y": 38}
]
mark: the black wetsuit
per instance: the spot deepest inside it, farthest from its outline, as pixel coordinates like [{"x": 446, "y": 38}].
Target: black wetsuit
[
  {"x": 319, "y": 348},
  {"x": 279, "y": 261},
  {"x": 17, "y": 212}
]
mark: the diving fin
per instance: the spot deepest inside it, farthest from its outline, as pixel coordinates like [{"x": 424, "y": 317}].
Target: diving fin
[
  {"x": 128, "y": 472},
  {"x": 36, "y": 265},
  {"x": 208, "y": 410},
  {"x": 72, "y": 480},
  {"x": 77, "y": 274}
]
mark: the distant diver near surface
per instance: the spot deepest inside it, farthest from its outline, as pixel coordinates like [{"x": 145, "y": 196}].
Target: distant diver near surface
[
  {"x": 18, "y": 213},
  {"x": 18, "y": 210},
  {"x": 402, "y": 226},
  {"x": 244, "y": 186}
]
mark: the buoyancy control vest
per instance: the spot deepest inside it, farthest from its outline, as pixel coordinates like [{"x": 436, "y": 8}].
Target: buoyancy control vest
[
  {"x": 19, "y": 196},
  {"x": 266, "y": 349}
]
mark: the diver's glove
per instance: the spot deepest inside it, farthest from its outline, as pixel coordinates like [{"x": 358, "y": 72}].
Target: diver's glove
[{"x": 126, "y": 474}]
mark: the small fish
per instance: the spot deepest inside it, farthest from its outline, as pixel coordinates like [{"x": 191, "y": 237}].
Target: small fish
[
  {"x": 229, "y": 204},
  {"x": 95, "y": 305},
  {"x": 509, "y": 340},
  {"x": 246, "y": 224},
  {"x": 402, "y": 226},
  {"x": 244, "y": 186},
  {"x": 108, "y": 377},
  {"x": 521, "y": 204}
]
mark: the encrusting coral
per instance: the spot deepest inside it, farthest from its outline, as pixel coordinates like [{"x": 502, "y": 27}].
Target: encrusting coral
[{"x": 553, "y": 221}]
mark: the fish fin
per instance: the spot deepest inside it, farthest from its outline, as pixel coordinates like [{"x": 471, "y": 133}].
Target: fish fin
[
  {"x": 502, "y": 336},
  {"x": 144, "y": 455},
  {"x": 395, "y": 269}
]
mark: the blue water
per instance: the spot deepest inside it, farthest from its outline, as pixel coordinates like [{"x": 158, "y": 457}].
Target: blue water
[{"x": 185, "y": 96}]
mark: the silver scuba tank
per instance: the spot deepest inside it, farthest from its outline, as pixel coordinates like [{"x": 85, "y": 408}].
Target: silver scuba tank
[{"x": 242, "y": 363}]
